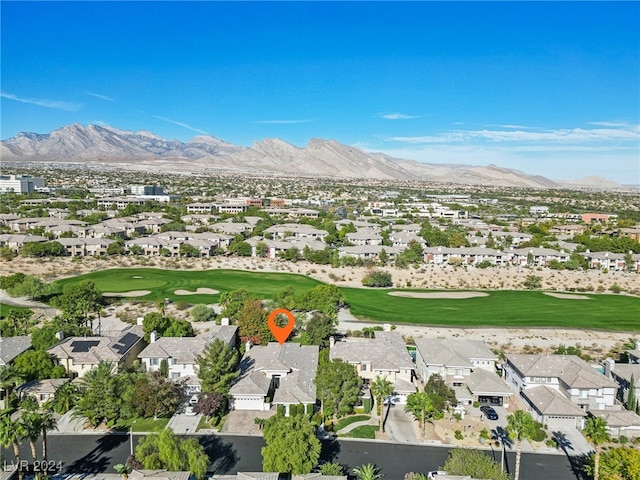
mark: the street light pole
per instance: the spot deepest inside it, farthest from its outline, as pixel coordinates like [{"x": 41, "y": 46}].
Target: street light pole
[{"x": 131, "y": 438}]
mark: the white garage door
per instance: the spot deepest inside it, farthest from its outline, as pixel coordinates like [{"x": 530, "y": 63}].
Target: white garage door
[
  {"x": 560, "y": 422},
  {"x": 248, "y": 403}
]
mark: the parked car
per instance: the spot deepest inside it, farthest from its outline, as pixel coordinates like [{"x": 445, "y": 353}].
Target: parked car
[
  {"x": 434, "y": 474},
  {"x": 490, "y": 413}
]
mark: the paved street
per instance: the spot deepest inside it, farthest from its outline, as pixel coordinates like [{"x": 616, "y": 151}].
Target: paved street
[{"x": 229, "y": 454}]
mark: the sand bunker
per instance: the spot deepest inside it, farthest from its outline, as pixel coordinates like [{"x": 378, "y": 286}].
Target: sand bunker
[
  {"x": 137, "y": 276},
  {"x": 567, "y": 296},
  {"x": 455, "y": 295},
  {"x": 207, "y": 291},
  {"x": 134, "y": 293}
]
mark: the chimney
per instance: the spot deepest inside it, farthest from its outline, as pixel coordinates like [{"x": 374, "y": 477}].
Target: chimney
[
  {"x": 139, "y": 320},
  {"x": 224, "y": 321},
  {"x": 60, "y": 335},
  {"x": 637, "y": 343},
  {"x": 332, "y": 341},
  {"x": 609, "y": 365},
  {"x": 153, "y": 336},
  {"x": 248, "y": 345}
]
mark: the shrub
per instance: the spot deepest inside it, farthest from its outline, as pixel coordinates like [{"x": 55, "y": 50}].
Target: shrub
[
  {"x": 459, "y": 435},
  {"x": 377, "y": 278}
]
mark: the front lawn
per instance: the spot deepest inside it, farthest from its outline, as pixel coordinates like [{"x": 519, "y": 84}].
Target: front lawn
[
  {"x": 366, "y": 431},
  {"x": 343, "y": 422}
]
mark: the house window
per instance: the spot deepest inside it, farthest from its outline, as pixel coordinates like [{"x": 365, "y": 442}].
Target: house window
[
  {"x": 154, "y": 361},
  {"x": 366, "y": 366},
  {"x": 173, "y": 361},
  {"x": 175, "y": 375}
]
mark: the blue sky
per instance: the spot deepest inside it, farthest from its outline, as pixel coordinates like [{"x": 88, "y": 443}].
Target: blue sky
[{"x": 549, "y": 88}]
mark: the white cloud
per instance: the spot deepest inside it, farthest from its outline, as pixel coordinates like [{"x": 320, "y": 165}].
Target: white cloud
[
  {"x": 100, "y": 96},
  {"x": 180, "y": 124},
  {"x": 558, "y": 136},
  {"x": 42, "y": 102},
  {"x": 281, "y": 122},
  {"x": 397, "y": 116}
]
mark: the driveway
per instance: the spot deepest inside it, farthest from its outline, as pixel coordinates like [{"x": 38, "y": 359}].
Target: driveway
[
  {"x": 243, "y": 421},
  {"x": 400, "y": 425},
  {"x": 182, "y": 424}
]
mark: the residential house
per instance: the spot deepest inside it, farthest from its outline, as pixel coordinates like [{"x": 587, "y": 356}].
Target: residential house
[
  {"x": 296, "y": 230},
  {"x": 85, "y": 247},
  {"x": 180, "y": 352},
  {"x": 42, "y": 390},
  {"x": 276, "y": 374},
  {"x": 15, "y": 241},
  {"x": 11, "y": 347},
  {"x": 78, "y": 355},
  {"x": 384, "y": 356},
  {"x": 537, "y": 257},
  {"x": 463, "y": 255},
  {"x": 620, "y": 422},
  {"x": 369, "y": 252},
  {"x": 567, "y": 375},
  {"x": 364, "y": 237},
  {"x": 622, "y": 374},
  {"x": 467, "y": 366}
]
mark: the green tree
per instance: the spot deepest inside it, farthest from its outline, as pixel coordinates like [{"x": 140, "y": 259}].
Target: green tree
[
  {"x": 632, "y": 402},
  {"x": 217, "y": 367},
  {"x": 102, "y": 395},
  {"x": 421, "y": 407},
  {"x": 381, "y": 388},
  {"x": 595, "y": 430},
  {"x": 187, "y": 250},
  {"x": 16, "y": 322},
  {"x": 440, "y": 393},
  {"x": 252, "y": 323},
  {"x": 291, "y": 445},
  {"x": 242, "y": 249},
  {"x": 31, "y": 287},
  {"x": 367, "y": 472},
  {"x": 377, "y": 278},
  {"x": 47, "y": 422},
  {"x": 12, "y": 433},
  {"x": 169, "y": 452},
  {"x": 475, "y": 464},
  {"x": 178, "y": 328},
  {"x": 520, "y": 426},
  {"x": 65, "y": 398},
  {"x": 9, "y": 378},
  {"x": 532, "y": 282},
  {"x": 155, "y": 396},
  {"x": 79, "y": 300},
  {"x": 338, "y": 387},
  {"x": 37, "y": 365},
  {"x": 202, "y": 313},
  {"x": 621, "y": 463},
  {"x": 233, "y": 302},
  {"x": 318, "y": 329}
]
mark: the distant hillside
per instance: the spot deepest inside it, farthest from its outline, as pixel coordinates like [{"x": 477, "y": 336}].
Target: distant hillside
[{"x": 326, "y": 158}]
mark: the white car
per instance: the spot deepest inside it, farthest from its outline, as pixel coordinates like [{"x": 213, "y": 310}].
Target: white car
[{"x": 434, "y": 474}]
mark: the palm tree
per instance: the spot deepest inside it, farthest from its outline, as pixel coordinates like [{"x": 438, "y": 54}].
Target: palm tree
[
  {"x": 9, "y": 378},
  {"x": 30, "y": 421},
  {"x": 367, "y": 472},
  {"x": 420, "y": 404},
  {"x": 381, "y": 388},
  {"x": 595, "y": 430},
  {"x": 47, "y": 422},
  {"x": 65, "y": 398},
  {"x": 520, "y": 426},
  {"x": 11, "y": 434}
]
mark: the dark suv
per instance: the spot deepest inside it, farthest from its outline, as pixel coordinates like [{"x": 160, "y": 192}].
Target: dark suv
[{"x": 490, "y": 413}]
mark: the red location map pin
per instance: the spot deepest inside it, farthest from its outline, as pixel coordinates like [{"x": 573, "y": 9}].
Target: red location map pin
[{"x": 281, "y": 333}]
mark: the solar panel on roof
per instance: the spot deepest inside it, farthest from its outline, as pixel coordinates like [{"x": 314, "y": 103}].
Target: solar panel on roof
[
  {"x": 83, "y": 346},
  {"x": 125, "y": 343}
]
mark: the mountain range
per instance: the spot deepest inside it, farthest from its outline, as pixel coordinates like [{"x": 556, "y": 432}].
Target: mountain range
[{"x": 324, "y": 158}]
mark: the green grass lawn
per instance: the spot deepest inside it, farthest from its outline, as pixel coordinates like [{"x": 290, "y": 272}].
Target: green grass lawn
[
  {"x": 343, "y": 422},
  {"x": 517, "y": 309},
  {"x": 4, "y": 309},
  {"x": 162, "y": 283},
  {"x": 366, "y": 431}
]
